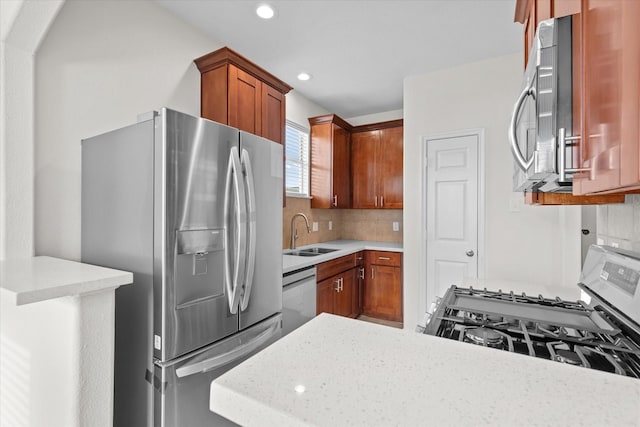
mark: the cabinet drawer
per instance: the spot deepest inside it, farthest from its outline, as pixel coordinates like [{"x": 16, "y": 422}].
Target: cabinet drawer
[
  {"x": 333, "y": 267},
  {"x": 385, "y": 258}
]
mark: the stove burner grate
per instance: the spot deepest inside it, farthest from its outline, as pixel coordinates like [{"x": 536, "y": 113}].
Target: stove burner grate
[{"x": 486, "y": 337}]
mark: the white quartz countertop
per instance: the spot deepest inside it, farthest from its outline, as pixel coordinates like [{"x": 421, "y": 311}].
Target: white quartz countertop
[
  {"x": 41, "y": 278},
  {"x": 345, "y": 247},
  {"x": 335, "y": 371}
]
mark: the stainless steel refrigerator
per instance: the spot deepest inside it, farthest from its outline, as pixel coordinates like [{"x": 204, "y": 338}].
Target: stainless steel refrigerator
[{"x": 194, "y": 209}]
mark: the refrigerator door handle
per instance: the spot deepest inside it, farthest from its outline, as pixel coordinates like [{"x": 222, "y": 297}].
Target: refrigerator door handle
[
  {"x": 223, "y": 359},
  {"x": 251, "y": 212},
  {"x": 233, "y": 170}
]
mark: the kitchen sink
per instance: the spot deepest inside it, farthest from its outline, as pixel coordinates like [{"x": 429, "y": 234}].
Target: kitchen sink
[
  {"x": 318, "y": 250},
  {"x": 315, "y": 251}
]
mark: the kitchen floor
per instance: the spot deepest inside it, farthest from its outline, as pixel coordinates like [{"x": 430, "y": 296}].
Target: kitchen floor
[{"x": 380, "y": 321}]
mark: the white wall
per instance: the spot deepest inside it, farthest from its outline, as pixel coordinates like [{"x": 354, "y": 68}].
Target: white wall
[
  {"x": 23, "y": 24},
  {"x": 375, "y": 118},
  {"x": 299, "y": 109},
  {"x": 539, "y": 245},
  {"x": 101, "y": 64}
]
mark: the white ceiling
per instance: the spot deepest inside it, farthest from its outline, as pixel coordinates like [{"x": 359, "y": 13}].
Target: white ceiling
[{"x": 357, "y": 51}]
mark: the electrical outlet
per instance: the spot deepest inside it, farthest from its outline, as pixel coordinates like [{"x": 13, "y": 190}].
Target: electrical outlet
[
  {"x": 615, "y": 244},
  {"x": 330, "y": 225},
  {"x": 396, "y": 226},
  {"x": 315, "y": 226}
]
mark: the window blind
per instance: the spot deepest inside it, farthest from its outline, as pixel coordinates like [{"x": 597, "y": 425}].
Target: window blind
[{"x": 297, "y": 159}]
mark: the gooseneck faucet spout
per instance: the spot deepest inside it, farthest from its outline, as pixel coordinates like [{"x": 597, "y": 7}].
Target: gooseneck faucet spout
[{"x": 294, "y": 232}]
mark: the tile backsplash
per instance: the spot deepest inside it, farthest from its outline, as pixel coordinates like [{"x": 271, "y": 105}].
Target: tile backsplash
[
  {"x": 619, "y": 224},
  {"x": 348, "y": 224}
]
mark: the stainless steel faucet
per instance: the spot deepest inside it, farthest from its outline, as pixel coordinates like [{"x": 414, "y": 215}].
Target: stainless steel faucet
[{"x": 294, "y": 232}]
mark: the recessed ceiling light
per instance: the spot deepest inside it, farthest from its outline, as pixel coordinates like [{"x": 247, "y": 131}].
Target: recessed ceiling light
[
  {"x": 304, "y": 76},
  {"x": 265, "y": 11}
]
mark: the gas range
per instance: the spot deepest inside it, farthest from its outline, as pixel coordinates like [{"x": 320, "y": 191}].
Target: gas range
[{"x": 603, "y": 334}]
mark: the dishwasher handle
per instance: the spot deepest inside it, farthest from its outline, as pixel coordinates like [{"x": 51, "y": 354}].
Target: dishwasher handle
[{"x": 298, "y": 276}]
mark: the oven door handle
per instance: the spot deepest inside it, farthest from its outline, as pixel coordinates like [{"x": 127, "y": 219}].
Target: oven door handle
[{"x": 513, "y": 128}]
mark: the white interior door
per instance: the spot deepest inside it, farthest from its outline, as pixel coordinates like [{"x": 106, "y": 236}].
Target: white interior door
[{"x": 452, "y": 211}]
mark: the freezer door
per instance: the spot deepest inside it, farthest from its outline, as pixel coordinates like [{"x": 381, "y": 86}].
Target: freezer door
[
  {"x": 261, "y": 295},
  {"x": 196, "y": 164},
  {"x": 182, "y": 387}
]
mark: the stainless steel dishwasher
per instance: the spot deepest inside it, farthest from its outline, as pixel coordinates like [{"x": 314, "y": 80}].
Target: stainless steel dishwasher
[{"x": 298, "y": 298}]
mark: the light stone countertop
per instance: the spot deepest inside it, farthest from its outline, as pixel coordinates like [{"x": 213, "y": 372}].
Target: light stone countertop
[
  {"x": 345, "y": 247},
  {"x": 41, "y": 278},
  {"x": 361, "y": 374}
]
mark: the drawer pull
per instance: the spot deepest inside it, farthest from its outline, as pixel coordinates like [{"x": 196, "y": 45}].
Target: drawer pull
[{"x": 384, "y": 258}]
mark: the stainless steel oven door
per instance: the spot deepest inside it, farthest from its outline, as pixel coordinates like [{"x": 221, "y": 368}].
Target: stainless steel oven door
[{"x": 182, "y": 386}]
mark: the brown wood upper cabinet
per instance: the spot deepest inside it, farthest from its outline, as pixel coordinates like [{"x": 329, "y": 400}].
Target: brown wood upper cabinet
[
  {"x": 376, "y": 162},
  {"x": 330, "y": 162},
  {"x": 237, "y": 92},
  {"x": 610, "y": 142},
  {"x": 606, "y": 98}
]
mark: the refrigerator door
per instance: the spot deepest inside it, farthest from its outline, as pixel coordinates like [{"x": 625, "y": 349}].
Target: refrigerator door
[
  {"x": 181, "y": 387},
  {"x": 195, "y": 244},
  {"x": 261, "y": 295}
]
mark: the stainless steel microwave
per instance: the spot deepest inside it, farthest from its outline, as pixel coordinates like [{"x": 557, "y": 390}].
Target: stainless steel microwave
[{"x": 541, "y": 124}]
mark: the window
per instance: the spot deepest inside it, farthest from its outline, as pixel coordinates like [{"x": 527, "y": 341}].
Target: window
[{"x": 297, "y": 160}]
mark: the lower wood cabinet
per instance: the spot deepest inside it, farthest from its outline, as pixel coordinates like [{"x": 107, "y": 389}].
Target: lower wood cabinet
[
  {"x": 335, "y": 294},
  {"x": 382, "y": 297},
  {"x": 367, "y": 282}
]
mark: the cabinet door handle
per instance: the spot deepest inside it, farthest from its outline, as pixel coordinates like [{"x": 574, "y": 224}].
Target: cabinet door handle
[
  {"x": 362, "y": 273},
  {"x": 341, "y": 284},
  {"x": 381, "y": 201},
  {"x": 335, "y": 200},
  {"x": 384, "y": 258},
  {"x": 337, "y": 288},
  {"x": 375, "y": 202},
  {"x": 372, "y": 273}
]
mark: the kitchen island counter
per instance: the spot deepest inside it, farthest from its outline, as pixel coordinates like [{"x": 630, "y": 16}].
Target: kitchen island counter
[{"x": 336, "y": 371}]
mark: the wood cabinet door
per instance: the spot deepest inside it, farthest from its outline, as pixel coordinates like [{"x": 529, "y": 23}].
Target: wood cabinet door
[
  {"x": 341, "y": 174},
  {"x": 390, "y": 159},
  {"x": 244, "y": 101},
  {"x": 364, "y": 146},
  {"x": 321, "y": 160},
  {"x": 343, "y": 299},
  {"x": 611, "y": 96},
  {"x": 273, "y": 114},
  {"x": 213, "y": 94},
  {"x": 325, "y": 291},
  {"x": 383, "y": 293}
]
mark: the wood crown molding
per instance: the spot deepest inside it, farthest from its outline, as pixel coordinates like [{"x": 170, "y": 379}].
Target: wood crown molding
[
  {"x": 224, "y": 56},
  {"x": 330, "y": 118},
  {"x": 334, "y": 118},
  {"x": 378, "y": 126},
  {"x": 523, "y": 8}
]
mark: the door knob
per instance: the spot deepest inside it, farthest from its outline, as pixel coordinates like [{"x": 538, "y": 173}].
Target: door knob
[{"x": 470, "y": 253}]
